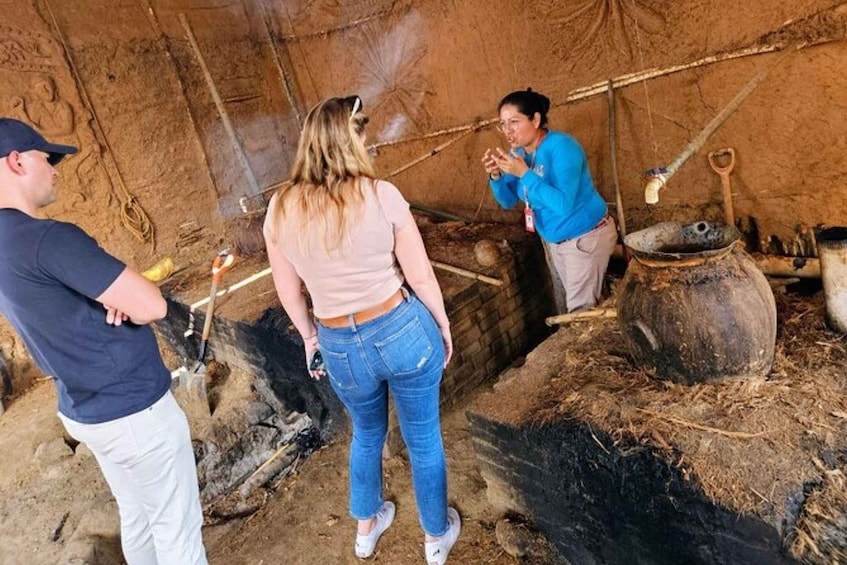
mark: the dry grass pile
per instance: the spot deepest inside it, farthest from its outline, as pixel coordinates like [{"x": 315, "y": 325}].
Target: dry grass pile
[{"x": 750, "y": 445}]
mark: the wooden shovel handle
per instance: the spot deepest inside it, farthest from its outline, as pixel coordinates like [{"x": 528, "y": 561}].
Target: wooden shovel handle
[{"x": 726, "y": 170}]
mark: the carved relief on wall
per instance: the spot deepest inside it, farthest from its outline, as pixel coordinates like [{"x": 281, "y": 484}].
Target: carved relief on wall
[
  {"x": 392, "y": 82},
  {"x": 35, "y": 98},
  {"x": 27, "y": 51},
  {"x": 597, "y": 23}
]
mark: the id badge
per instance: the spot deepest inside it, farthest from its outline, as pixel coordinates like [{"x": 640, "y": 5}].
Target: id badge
[{"x": 529, "y": 219}]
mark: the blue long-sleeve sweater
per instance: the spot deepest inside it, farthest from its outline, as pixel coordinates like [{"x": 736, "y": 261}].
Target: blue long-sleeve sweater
[{"x": 559, "y": 189}]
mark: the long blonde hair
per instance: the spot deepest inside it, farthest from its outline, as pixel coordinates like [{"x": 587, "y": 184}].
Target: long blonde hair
[{"x": 324, "y": 191}]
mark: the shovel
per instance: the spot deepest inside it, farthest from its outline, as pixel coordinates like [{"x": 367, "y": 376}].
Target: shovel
[{"x": 191, "y": 389}]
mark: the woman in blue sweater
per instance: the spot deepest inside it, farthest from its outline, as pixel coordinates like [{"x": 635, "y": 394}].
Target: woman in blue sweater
[{"x": 548, "y": 172}]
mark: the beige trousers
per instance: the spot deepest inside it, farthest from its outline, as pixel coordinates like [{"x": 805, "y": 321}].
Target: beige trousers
[{"x": 578, "y": 265}]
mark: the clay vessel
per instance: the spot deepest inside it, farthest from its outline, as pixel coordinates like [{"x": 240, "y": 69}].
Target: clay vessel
[{"x": 695, "y": 307}]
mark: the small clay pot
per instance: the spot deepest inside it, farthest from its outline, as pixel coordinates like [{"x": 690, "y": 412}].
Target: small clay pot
[{"x": 486, "y": 252}]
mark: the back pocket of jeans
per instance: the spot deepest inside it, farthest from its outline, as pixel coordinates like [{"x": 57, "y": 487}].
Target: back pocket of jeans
[
  {"x": 338, "y": 369},
  {"x": 407, "y": 351}
]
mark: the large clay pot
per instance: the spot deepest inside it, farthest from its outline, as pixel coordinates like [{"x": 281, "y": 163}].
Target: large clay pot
[{"x": 694, "y": 307}]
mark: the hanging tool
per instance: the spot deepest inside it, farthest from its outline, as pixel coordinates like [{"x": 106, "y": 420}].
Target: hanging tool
[
  {"x": 191, "y": 388},
  {"x": 726, "y": 185},
  {"x": 657, "y": 178}
]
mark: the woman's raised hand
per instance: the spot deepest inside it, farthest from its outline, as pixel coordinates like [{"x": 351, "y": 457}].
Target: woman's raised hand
[
  {"x": 490, "y": 164},
  {"x": 509, "y": 163}
]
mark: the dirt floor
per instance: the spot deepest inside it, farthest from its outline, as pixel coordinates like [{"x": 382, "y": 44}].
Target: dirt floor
[{"x": 303, "y": 522}]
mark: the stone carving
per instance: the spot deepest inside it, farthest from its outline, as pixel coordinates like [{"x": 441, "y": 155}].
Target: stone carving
[{"x": 612, "y": 21}]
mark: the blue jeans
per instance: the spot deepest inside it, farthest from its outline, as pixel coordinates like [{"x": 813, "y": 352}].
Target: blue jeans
[{"x": 400, "y": 351}]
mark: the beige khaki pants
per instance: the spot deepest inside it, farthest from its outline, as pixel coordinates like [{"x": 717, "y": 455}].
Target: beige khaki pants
[{"x": 577, "y": 266}]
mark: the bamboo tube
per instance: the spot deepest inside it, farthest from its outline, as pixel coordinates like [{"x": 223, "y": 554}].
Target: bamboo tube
[
  {"x": 219, "y": 104},
  {"x": 467, "y": 273},
  {"x": 592, "y": 314}
]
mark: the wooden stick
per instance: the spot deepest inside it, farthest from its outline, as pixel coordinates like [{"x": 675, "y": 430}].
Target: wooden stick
[
  {"x": 287, "y": 79},
  {"x": 782, "y": 282},
  {"x": 439, "y": 133},
  {"x": 219, "y": 104},
  {"x": 614, "y": 161},
  {"x": 266, "y": 470},
  {"x": 432, "y": 153},
  {"x": 439, "y": 213},
  {"x": 592, "y": 314},
  {"x": 687, "y": 424},
  {"x": 466, "y": 273}
]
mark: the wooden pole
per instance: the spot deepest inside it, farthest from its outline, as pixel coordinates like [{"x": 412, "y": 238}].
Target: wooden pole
[
  {"x": 613, "y": 152},
  {"x": 467, "y": 273},
  {"x": 439, "y": 213},
  {"x": 230, "y": 130},
  {"x": 592, "y": 314}
]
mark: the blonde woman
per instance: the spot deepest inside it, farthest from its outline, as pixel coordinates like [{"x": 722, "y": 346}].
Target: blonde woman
[{"x": 379, "y": 319}]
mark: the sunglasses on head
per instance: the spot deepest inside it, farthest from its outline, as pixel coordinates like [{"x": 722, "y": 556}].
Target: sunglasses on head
[{"x": 355, "y": 103}]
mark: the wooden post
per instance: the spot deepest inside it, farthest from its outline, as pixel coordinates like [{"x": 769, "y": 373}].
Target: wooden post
[{"x": 613, "y": 152}]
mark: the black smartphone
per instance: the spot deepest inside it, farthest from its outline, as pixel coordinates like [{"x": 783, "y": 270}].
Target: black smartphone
[{"x": 316, "y": 363}]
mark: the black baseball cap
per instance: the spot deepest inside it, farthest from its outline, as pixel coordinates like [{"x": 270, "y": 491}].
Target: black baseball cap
[{"x": 18, "y": 136}]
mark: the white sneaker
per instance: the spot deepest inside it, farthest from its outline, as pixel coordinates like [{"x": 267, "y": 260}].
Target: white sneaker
[
  {"x": 437, "y": 551},
  {"x": 365, "y": 544}
]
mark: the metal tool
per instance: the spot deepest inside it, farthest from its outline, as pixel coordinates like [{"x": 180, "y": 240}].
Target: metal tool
[
  {"x": 191, "y": 389},
  {"x": 726, "y": 185}
]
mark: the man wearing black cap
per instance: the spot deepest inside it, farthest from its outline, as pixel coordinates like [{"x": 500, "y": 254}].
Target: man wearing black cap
[{"x": 83, "y": 315}]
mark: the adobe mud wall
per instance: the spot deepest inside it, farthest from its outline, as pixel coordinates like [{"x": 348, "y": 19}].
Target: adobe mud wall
[
  {"x": 182, "y": 108},
  {"x": 134, "y": 84}
]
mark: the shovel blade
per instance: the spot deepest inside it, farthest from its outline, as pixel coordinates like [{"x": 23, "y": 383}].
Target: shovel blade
[{"x": 190, "y": 392}]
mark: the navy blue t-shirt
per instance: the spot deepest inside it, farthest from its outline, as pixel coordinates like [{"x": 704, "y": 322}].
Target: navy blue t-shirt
[{"x": 50, "y": 274}]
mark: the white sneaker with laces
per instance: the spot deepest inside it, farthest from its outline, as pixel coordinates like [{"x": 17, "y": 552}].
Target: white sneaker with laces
[
  {"x": 365, "y": 544},
  {"x": 437, "y": 551}
]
